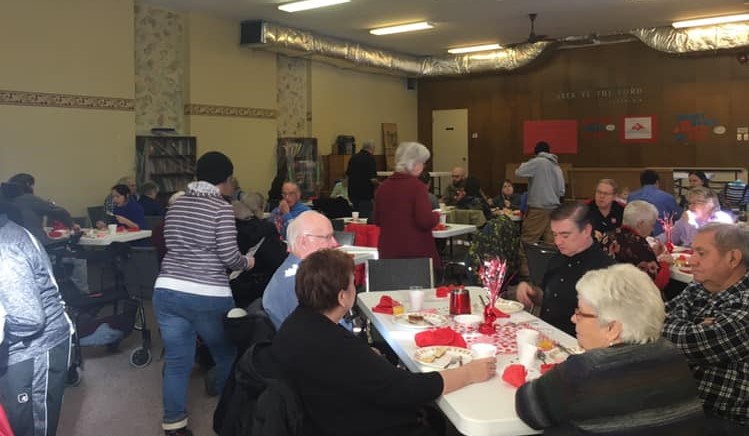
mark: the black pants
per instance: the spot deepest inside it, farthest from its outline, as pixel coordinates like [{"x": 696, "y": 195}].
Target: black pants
[{"x": 31, "y": 392}]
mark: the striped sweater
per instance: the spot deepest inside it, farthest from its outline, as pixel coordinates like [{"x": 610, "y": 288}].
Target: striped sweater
[
  {"x": 643, "y": 390},
  {"x": 201, "y": 242}
]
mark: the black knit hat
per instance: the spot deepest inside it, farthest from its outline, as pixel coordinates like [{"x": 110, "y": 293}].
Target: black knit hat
[{"x": 214, "y": 167}]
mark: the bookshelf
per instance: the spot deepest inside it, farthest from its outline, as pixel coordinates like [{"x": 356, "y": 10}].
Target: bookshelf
[{"x": 168, "y": 161}]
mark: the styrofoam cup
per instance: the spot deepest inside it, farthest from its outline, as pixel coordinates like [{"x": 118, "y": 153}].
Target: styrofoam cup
[
  {"x": 527, "y": 336},
  {"x": 443, "y": 218},
  {"x": 481, "y": 350},
  {"x": 355, "y": 215},
  {"x": 527, "y": 354},
  {"x": 112, "y": 229}
]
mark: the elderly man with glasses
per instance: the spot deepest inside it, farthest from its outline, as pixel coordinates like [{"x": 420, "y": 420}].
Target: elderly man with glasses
[
  {"x": 310, "y": 232},
  {"x": 288, "y": 208},
  {"x": 604, "y": 212}
]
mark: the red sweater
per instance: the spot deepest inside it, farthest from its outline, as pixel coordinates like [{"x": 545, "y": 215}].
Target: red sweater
[{"x": 404, "y": 214}]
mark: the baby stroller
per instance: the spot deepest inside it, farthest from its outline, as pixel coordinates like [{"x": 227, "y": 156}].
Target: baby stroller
[{"x": 104, "y": 318}]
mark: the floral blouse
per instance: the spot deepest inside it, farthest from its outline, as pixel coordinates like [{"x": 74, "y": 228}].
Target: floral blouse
[{"x": 625, "y": 245}]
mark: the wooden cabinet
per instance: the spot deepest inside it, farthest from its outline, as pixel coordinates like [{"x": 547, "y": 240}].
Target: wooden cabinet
[
  {"x": 168, "y": 161},
  {"x": 335, "y": 169}
]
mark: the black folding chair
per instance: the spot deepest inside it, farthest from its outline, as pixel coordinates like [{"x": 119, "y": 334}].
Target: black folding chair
[
  {"x": 393, "y": 274},
  {"x": 538, "y": 254}
]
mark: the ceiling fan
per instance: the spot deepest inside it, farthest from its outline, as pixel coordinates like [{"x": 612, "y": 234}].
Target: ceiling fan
[{"x": 532, "y": 36}]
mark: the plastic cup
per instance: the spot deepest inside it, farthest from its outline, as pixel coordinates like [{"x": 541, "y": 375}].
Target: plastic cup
[
  {"x": 355, "y": 215},
  {"x": 112, "y": 229},
  {"x": 482, "y": 350},
  {"x": 527, "y": 355},
  {"x": 443, "y": 218},
  {"x": 443, "y": 207},
  {"x": 527, "y": 336},
  {"x": 416, "y": 299}
]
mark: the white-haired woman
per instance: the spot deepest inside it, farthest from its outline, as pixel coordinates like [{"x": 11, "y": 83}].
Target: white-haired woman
[
  {"x": 704, "y": 207},
  {"x": 627, "y": 244},
  {"x": 629, "y": 380},
  {"x": 251, "y": 230},
  {"x": 402, "y": 208}
]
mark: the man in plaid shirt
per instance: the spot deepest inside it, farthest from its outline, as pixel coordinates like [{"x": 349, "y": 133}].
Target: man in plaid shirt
[{"x": 709, "y": 322}]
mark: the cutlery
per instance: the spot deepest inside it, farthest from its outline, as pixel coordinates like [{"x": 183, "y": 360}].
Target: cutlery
[
  {"x": 453, "y": 361},
  {"x": 460, "y": 360},
  {"x": 563, "y": 348},
  {"x": 541, "y": 356}
]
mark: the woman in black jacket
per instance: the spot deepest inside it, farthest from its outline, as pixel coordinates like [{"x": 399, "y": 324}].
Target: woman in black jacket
[{"x": 251, "y": 230}]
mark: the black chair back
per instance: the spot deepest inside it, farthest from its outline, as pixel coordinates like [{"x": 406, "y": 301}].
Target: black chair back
[
  {"x": 538, "y": 255},
  {"x": 344, "y": 238},
  {"x": 393, "y": 274},
  {"x": 96, "y": 213}
]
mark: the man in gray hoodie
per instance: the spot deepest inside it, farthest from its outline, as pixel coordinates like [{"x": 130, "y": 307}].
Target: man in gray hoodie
[
  {"x": 545, "y": 188},
  {"x": 37, "y": 333}
]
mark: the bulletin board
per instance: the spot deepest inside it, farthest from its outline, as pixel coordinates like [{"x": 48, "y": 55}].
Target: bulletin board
[{"x": 560, "y": 134}]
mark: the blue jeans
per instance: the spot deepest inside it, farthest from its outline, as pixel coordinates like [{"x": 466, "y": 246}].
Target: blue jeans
[{"x": 181, "y": 317}]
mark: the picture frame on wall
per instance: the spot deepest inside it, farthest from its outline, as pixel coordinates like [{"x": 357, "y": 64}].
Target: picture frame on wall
[
  {"x": 639, "y": 129},
  {"x": 389, "y": 143}
]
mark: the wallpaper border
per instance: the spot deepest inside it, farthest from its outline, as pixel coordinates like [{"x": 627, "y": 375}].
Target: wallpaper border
[
  {"x": 230, "y": 111},
  {"x": 69, "y": 101}
]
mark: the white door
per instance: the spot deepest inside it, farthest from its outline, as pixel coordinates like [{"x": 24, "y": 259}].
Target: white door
[{"x": 449, "y": 139}]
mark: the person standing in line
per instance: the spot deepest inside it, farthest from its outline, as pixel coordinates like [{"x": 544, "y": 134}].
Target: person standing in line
[
  {"x": 663, "y": 201},
  {"x": 192, "y": 293},
  {"x": 37, "y": 333},
  {"x": 362, "y": 179},
  {"x": 545, "y": 189}
]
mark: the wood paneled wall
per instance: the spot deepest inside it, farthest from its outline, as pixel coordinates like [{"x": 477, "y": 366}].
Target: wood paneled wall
[{"x": 714, "y": 85}]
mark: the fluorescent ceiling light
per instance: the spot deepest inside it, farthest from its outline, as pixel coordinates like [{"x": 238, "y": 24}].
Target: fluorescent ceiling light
[
  {"x": 710, "y": 21},
  {"x": 401, "y": 28},
  {"x": 309, "y": 4},
  {"x": 474, "y": 48}
]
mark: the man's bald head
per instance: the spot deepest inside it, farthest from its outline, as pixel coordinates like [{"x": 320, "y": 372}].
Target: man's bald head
[
  {"x": 458, "y": 175},
  {"x": 309, "y": 232}
]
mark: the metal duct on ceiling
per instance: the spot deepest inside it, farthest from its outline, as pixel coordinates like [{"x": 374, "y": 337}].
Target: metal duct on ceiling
[{"x": 283, "y": 39}]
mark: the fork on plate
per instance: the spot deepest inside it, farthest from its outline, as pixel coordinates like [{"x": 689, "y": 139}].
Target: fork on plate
[{"x": 453, "y": 361}]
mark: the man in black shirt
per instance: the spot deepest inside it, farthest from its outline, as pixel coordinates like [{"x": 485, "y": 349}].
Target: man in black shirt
[
  {"x": 362, "y": 179},
  {"x": 578, "y": 254},
  {"x": 604, "y": 212}
]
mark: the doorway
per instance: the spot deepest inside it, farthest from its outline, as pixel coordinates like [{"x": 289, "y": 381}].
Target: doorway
[{"x": 449, "y": 139}]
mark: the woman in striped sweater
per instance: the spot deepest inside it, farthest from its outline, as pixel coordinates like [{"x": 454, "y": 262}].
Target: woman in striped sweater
[{"x": 192, "y": 292}]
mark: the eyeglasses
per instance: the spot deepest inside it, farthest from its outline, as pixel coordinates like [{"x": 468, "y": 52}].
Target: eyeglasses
[
  {"x": 329, "y": 238},
  {"x": 579, "y": 314},
  {"x": 604, "y": 193},
  {"x": 697, "y": 202},
  {"x": 289, "y": 194}
]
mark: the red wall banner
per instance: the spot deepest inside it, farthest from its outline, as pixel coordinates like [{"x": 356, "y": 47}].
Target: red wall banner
[{"x": 560, "y": 134}]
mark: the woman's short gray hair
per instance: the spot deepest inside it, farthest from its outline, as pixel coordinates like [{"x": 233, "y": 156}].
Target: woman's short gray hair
[
  {"x": 250, "y": 205},
  {"x": 626, "y": 294},
  {"x": 638, "y": 210},
  {"x": 706, "y": 194},
  {"x": 408, "y": 155}
]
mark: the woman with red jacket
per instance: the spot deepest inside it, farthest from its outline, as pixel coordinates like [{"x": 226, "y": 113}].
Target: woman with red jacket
[{"x": 403, "y": 211}]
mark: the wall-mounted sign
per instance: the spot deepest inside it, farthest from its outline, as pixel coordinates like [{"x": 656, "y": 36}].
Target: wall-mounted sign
[
  {"x": 639, "y": 129},
  {"x": 618, "y": 94}
]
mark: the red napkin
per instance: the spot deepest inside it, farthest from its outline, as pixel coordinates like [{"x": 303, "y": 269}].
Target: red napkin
[
  {"x": 546, "y": 367},
  {"x": 498, "y": 313},
  {"x": 441, "y": 336},
  {"x": 57, "y": 225},
  {"x": 55, "y": 234},
  {"x": 386, "y": 305},
  {"x": 515, "y": 375},
  {"x": 442, "y": 292}
]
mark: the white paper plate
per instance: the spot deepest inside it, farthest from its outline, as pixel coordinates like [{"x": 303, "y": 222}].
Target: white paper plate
[
  {"x": 430, "y": 320},
  {"x": 427, "y": 356},
  {"x": 508, "y": 306}
]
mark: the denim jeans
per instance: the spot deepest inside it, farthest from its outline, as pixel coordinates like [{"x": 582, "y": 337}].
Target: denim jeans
[{"x": 181, "y": 317}]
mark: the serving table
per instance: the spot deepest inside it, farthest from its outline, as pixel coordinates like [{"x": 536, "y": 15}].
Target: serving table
[
  {"x": 481, "y": 409},
  {"x": 103, "y": 238}
]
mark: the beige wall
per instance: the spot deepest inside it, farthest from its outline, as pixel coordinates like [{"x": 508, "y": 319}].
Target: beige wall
[
  {"x": 221, "y": 73},
  {"x": 82, "y": 47},
  {"x": 346, "y": 102}
]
